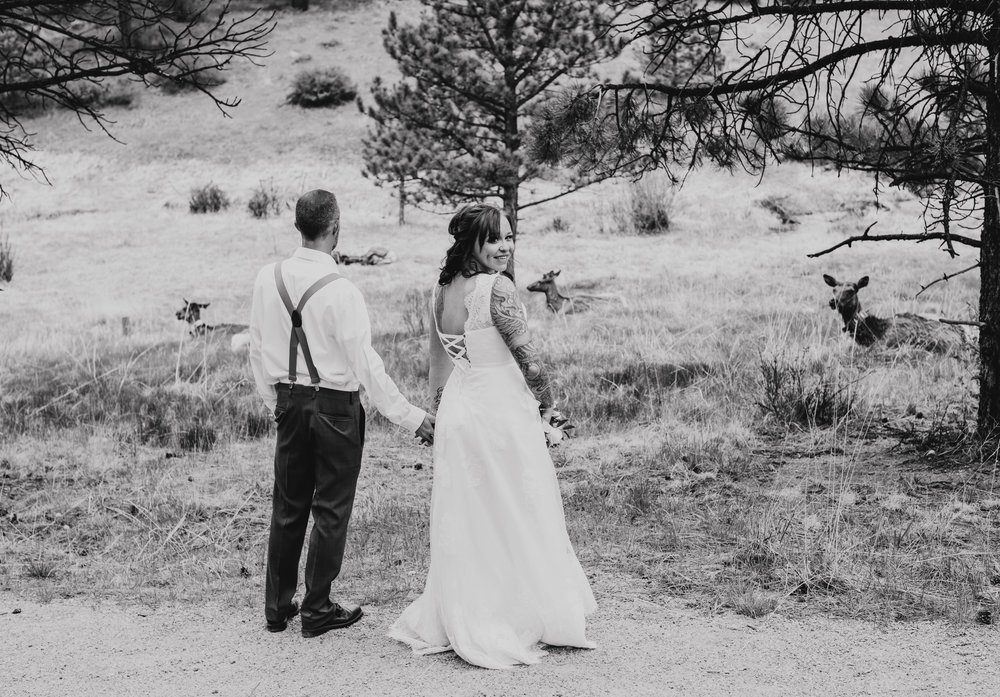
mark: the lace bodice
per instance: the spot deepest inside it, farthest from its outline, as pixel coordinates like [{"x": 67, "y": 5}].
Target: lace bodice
[{"x": 475, "y": 346}]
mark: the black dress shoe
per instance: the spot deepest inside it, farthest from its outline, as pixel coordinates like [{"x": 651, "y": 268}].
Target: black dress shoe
[
  {"x": 280, "y": 625},
  {"x": 338, "y": 619}
]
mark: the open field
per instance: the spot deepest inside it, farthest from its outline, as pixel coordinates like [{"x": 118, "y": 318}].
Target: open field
[{"x": 736, "y": 451}]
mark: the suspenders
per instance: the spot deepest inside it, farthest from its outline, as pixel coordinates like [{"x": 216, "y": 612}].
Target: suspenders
[{"x": 298, "y": 336}]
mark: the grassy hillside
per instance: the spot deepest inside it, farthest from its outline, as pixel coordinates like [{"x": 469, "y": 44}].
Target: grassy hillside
[{"x": 734, "y": 445}]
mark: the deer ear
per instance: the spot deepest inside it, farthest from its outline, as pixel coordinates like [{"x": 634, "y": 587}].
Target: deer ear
[
  {"x": 185, "y": 301},
  {"x": 205, "y": 305},
  {"x": 557, "y": 272},
  {"x": 830, "y": 280},
  {"x": 862, "y": 282}
]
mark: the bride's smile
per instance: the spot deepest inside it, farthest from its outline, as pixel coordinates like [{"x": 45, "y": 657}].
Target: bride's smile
[{"x": 494, "y": 254}]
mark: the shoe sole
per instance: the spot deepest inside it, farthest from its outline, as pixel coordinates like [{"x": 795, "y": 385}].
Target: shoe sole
[{"x": 319, "y": 631}]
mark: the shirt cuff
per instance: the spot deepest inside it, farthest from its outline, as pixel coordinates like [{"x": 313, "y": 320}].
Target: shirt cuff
[{"x": 411, "y": 422}]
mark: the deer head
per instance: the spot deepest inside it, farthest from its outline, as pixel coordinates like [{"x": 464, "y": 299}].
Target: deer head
[
  {"x": 546, "y": 283},
  {"x": 845, "y": 298},
  {"x": 191, "y": 312}
]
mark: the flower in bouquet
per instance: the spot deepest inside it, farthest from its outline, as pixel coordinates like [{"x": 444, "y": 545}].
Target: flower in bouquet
[{"x": 557, "y": 428}]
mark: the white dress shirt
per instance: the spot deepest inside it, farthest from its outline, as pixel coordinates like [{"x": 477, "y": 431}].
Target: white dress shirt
[{"x": 339, "y": 332}]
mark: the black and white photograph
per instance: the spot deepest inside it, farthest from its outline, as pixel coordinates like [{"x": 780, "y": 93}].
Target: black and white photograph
[{"x": 499, "y": 348}]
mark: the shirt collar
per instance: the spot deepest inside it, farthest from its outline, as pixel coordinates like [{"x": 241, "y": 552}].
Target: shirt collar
[{"x": 314, "y": 255}]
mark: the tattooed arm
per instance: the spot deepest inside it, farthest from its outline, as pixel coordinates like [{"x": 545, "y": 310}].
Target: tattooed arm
[
  {"x": 440, "y": 364},
  {"x": 508, "y": 316}
]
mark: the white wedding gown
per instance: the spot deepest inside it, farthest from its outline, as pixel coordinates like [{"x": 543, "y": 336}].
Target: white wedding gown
[{"x": 503, "y": 576}]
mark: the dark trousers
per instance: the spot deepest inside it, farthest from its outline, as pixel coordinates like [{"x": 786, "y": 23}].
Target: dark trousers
[{"x": 317, "y": 459}]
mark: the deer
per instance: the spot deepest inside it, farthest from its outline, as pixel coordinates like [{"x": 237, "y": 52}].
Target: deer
[
  {"x": 562, "y": 304},
  {"x": 191, "y": 313},
  {"x": 373, "y": 257},
  {"x": 903, "y": 329}
]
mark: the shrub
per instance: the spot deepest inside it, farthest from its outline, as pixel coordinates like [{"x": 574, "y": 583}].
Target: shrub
[
  {"x": 6, "y": 260},
  {"x": 41, "y": 568},
  {"x": 795, "y": 391},
  {"x": 652, "y": 201},
  {"x": 114, "y": 91},
  {"x": 208, "y": 199},
  {"x": 265, "y": 201},
  {"x": 322, "y": 87},
  {"x": 646, "y": 208}
]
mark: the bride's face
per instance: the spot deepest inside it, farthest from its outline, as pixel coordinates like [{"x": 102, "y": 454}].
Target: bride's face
[{"x": 495, "y": 255}]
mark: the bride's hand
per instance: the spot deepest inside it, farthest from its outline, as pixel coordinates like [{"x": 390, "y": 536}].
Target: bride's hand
[
  {"x": 426, "y": 430},
  {"x": 555, "y": 425}
]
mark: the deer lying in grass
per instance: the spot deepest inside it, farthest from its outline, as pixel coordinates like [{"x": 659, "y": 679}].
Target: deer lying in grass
[
  {"x": 904, "y": 329},
  {"x": 373, "y": 257},
  {"x": 191, "y": 313},
  {"x": 560, "y": 303}
]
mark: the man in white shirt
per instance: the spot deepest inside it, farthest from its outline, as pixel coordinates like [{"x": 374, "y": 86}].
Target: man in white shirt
[{"x": 310, "y": 350}]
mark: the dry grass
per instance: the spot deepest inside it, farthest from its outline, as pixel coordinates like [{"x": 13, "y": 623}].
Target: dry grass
[
  {"x": 734, "y": 447},
  {"x": 6, "y": 260}
]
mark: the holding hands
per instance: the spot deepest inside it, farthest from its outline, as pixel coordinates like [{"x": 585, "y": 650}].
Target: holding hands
[{"x": 425, "y": 432}]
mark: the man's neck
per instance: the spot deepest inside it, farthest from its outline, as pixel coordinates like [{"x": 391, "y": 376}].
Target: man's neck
[{"x": 324, "y": 244}]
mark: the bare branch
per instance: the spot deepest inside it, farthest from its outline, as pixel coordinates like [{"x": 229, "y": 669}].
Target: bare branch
[
  {"x": 947, "y": 277},
  {"x": 920, "y": 237}
]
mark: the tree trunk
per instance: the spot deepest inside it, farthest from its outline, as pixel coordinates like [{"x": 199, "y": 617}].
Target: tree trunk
[
  {"x": 402, "y": 201},
  {"x": 300, "y": 4},
  {"x": 989, "y": 258},
  {"x": 510, "y": 208},
  {"x": 512, "y": 134},
  {"x": 125, "y": 23}
]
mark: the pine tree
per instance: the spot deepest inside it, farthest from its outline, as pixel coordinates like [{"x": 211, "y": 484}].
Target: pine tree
[{"x": 474, "y": 73}]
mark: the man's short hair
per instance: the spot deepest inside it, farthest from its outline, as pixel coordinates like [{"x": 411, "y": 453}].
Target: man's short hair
[{"x": 315, "y": 213}]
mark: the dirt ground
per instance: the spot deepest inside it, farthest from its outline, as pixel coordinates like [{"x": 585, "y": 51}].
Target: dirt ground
[{"x": 84, "y": 648}]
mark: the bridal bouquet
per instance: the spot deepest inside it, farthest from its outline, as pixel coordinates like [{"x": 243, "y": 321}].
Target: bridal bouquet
[{"x": 557, "y": 428}]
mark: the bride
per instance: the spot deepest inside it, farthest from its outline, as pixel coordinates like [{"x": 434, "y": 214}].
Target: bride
[{"x": 503, "y": 576}]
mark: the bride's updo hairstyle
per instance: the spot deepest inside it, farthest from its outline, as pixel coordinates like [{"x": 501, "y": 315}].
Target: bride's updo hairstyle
[{"x": 473, "y": 225}]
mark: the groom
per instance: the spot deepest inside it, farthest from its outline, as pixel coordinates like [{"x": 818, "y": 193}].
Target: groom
[{"x": 310, "y": 349}]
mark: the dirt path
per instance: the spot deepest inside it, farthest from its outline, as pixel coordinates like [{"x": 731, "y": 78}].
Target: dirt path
[{"x": 83, "y": 649}]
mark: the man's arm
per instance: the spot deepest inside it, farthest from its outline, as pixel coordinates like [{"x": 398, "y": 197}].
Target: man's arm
[
  {"x": 352, "y": 330},
  {"x": 266, "y": 390},
  {"x": 509, "y": 318}
]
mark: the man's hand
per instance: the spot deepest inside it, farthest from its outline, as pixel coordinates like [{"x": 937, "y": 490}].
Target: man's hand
[{"x": 426, "y": 430}]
